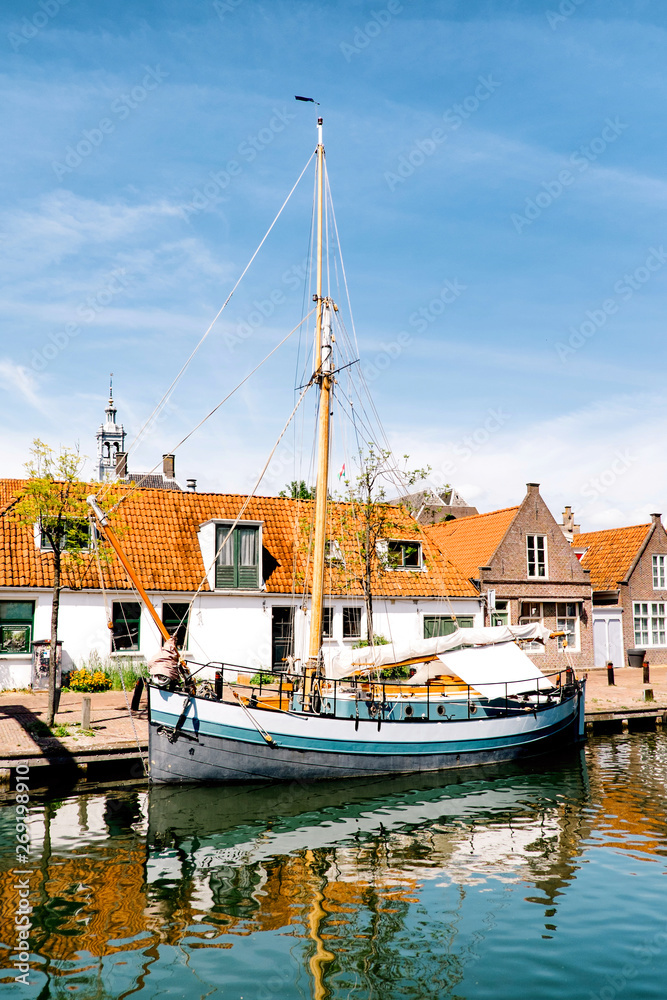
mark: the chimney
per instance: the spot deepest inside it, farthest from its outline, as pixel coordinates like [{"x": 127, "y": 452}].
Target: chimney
[
  {"x": 533, "y": 487},
  {"x": 192, "y": 485},
  {"x": 168, "y": 466},
  {"x": 121, "y": 464},
  {"x": 656, "y": 518},
  {"x": 568, "y": 527}
]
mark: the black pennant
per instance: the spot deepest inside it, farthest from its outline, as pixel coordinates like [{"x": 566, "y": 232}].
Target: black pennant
[{"x": 311, "y": 99}]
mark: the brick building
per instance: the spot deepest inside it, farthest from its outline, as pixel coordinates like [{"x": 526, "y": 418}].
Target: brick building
[
  {"x": 520, "y": 561},
  {"x": 628, "y": 571}
]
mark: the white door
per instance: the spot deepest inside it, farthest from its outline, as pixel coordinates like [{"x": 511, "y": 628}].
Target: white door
[
  {"x": 600, "y": 641},
  {"x": 615, "y": 642}
]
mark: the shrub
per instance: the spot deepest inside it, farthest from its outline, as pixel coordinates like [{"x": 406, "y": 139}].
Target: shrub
[
  {"x": 262, "y": 678},
  {"x": 84, "y": 680},
  {"x": 117, "y": 672}
]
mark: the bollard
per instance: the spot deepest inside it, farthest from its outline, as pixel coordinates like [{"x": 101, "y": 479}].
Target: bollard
[
  {"x": 648, "y": 694},
  {"x": 85, "y": 712},
  {"x": 646, "y": 677},
  {"x": 610, "y": 674}
]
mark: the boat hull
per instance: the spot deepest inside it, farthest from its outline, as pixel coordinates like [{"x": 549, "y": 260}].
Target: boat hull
[{"x": 220, "y": 742}]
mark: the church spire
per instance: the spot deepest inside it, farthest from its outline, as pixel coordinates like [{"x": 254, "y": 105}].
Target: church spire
[
  {"x": 110, "y": 440},
  {"x": 111, "y": 410}
]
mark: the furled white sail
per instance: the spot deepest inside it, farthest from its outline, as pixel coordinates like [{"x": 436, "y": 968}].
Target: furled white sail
[
  {"x": 343, "y": 662},
  {"x": 494, "y": 671}
]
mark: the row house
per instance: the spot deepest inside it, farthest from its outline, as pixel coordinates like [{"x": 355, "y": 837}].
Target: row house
[
  {"x": 628, "y": 571},
  {"x": 234, "y": 591},
  {"x": 522, "y": 566}
]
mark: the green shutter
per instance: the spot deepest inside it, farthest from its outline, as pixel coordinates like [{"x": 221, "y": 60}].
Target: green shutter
[
  {"x": 247, "y": 576},
  {"x": 244, "y": 546},
  {"x": 224, "y": 577},
  {"x": 437, "y": 625}
]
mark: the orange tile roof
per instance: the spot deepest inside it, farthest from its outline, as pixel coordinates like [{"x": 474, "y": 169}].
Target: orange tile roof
[
  {"x": 158, "y": 530},
  {"x": 610, "y": 553},
  {"x": 471, "y": 541}
]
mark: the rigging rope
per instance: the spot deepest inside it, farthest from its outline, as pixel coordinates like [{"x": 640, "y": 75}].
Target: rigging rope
[
  {"x": 137, "y": 486},
  {"x": 187, "y": 362}
]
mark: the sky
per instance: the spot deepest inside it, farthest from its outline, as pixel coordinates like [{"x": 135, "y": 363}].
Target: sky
[{"x": 498, "y": 177}]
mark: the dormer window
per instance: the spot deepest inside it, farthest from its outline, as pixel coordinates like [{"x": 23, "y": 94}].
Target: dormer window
[
  {"x": 404, "y": 555},
  {"x": 74, "y": 535},
  {"x": 237, "y": 559},
  {"x": 333, "y": 553}
]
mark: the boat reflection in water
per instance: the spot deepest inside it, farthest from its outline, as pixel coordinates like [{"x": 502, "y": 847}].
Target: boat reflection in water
[
  {"x": 346, "y": 862},
  {"x": 445, "y": 885}
]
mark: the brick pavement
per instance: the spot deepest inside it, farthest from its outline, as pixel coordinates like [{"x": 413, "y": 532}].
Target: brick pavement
[
  {"x": 628, "y": 690},
  {"x": 110, "y": 722}
]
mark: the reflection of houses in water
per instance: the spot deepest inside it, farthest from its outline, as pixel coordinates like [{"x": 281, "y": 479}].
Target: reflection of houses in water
[{"x": 629, "y": 778}]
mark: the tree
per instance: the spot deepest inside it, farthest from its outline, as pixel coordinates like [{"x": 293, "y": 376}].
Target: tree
[
  {"x": 373, "y": 518},
  {"x": 54, "y": 499},
  {"x": 298, "y": 490}
]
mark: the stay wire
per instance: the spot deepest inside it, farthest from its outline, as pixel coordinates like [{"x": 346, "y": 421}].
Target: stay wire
[
  {"x": 137, "y": 486},
  {"x": 186, "y": 364},
  {"x": 250, "y": 495}
]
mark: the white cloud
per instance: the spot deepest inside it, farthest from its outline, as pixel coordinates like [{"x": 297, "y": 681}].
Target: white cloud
[
  {"x": 21, "y": 382},
  {"x": 604, "y": 460},
  {"x": 64, "y": 225}
]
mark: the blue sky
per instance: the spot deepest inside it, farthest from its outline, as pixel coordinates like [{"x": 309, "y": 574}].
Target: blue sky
[{"x": 497, "y": 171}]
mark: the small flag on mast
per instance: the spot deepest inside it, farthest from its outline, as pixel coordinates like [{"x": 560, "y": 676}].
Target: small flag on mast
[
  {"x": 341, "y": 474},
  {"x": 310, "y": 100}
]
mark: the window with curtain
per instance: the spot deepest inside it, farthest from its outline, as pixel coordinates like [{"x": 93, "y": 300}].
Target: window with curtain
[{"x": 237, "y": 564}]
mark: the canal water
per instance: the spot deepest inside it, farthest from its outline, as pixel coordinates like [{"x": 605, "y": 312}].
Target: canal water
[{"x": 542, "y": 881}]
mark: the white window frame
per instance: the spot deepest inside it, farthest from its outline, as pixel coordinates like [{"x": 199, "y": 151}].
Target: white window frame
[
  {"x": 532, "y": 647},
  {"x": 360, "y": 610},
  {"x": 42, "y": 542},
  {"x": 658, "y": 566},
  {"x": 501, "y": 609},
  {"x": 328, "y": 612},
  {"x": 333, "y": 553},
  {"x": 568, "y": 620},
  {"x": 536, "y": 576},
  {"x": 227, "y": 523},
  {"x": 404, "y": 569},
  {"x": 651, "y": 618}
]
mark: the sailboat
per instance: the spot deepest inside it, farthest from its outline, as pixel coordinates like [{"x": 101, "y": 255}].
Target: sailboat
[{"x": 473, "y": 697}]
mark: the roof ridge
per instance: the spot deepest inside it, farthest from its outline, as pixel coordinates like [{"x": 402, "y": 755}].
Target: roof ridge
[
  {"x": 472, "y": 517},
  {"x": 608, "y": 531}
]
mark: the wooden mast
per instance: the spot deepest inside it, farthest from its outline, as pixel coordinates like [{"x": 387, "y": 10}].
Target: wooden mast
[
  {"x": 110, "y": 535},
  {"x": 322, "y": 374}
]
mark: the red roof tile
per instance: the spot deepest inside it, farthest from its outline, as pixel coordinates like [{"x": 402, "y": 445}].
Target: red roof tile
[
  {"x": 610, "y": 553},
  {"x": 158, "y": 530},
  {"x": 471, "y": 541}
]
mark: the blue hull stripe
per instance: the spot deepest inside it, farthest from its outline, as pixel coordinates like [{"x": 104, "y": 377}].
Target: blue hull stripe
[{"x": 307, "y": 744}]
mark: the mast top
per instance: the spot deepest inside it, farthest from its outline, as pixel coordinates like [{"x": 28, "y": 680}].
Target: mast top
[{"x": 319, "y": 131}]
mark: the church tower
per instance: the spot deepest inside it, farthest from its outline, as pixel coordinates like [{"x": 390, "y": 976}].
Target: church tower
[{"x": 110, "y": 440}]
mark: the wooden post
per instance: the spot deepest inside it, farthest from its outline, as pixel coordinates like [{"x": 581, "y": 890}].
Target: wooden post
[
  {"x": 646, "y": 673},
  {"x": 610, "y": 674},
  {"x": 648, "y": 694},
  {"x": 85, "y": 712}
]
